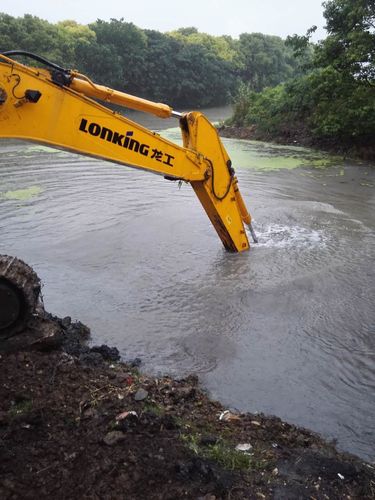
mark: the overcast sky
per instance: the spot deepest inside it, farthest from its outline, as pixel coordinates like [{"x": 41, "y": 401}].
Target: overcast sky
[{"x": 217, "y": 17}]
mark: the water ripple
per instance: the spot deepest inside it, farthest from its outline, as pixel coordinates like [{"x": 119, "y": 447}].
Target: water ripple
[{"x": 287, "y": 328}]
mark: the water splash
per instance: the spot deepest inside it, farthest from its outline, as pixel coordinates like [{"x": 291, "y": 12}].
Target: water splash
[{"x": 281, "y": 236}]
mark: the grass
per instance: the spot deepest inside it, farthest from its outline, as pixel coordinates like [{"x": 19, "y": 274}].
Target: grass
[
  {"x": 222, "y": 452},
  {"x": 21, "y": 408},
  {"x": 154, "y": 409}
]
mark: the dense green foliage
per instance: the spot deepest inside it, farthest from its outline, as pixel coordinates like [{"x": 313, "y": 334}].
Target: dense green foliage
[
  {"x": 335, "y": 100},
  {"x": 263, "y": 60},
  {"x": 350, "y": 46},
  {"x": 183, "y": 67}
]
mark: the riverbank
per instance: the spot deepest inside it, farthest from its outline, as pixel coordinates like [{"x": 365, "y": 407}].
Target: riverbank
[
  {"x": 76, "y": 422},
  {"x": 299, "y": 138}
]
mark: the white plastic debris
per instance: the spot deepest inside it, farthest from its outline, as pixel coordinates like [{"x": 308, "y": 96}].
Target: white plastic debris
[
  {"x": 223, "y": 415},
  {"x": 243, "y": 447},
  {"x": 228, "y": 416},
  {"x": 340, "y": 476},
  {"x": 126, "y": 414}
]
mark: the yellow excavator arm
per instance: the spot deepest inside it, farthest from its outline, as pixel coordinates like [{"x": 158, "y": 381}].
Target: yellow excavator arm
[{"x": 58, "y": 107}]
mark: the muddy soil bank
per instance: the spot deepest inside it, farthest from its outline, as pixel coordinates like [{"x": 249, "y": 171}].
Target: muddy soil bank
[
  {"x": 76, "y": 422},
  {"x": 300, "y": 138}
]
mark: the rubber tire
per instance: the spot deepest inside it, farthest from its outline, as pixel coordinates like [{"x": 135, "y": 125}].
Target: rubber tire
[{"x": 23, "y": 279}]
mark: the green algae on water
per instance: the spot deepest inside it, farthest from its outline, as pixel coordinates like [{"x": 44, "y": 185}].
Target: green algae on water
[
  {"x": 22, "y": 194},
  {"x": 262, "y": 156},
  {"x": 266, "y": 156}
]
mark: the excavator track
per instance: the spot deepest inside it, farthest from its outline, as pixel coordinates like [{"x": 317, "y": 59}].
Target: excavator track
[
  {"x": 19, "y": 295},
  {"x": 24, "y": 324}
]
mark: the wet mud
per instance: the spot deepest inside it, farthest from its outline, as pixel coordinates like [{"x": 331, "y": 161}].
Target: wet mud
[{"x": 77, "y": 422}]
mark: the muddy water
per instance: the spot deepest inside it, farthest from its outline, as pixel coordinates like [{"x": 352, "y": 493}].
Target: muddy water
[{"x": 287, "y": 328}]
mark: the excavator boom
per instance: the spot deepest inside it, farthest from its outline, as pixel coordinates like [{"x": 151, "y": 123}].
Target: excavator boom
[{"x": 59, "y": 108}]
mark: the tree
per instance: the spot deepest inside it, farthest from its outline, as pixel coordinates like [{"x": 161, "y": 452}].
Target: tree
[
  {"x": 73, "y": 37},
  {"x": 32, "y": 34},
  {"x": 55, "y": 42},
  {"x": 263, "y": 60},
  {"x": 223, "y": 47},
  {"x": 335, "y": 101},
  {"x": 123, "y": 46},
  {"x": 185, "y": 67},
  {"x": 350, "y": 44},
  {"x": 202, "y": 78},
  {"x": 161, "y": 75}
]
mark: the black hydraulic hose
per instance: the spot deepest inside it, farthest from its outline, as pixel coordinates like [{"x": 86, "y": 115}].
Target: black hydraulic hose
[
  {"x": 40, "y": 59},
  {"x": 231, "y": 173}
]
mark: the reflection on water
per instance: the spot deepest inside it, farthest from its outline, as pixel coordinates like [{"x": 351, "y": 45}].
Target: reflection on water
[{"x": 287, "y": 328}]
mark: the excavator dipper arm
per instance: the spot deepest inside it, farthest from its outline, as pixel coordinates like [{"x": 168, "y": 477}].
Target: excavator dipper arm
[{"x": 58, "y": 108}]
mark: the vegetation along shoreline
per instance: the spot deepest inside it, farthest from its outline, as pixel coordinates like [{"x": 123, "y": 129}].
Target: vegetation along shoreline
[{"x": 319, "y": 94}]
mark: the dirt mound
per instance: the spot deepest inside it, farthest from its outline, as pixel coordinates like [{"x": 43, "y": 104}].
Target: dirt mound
[{"x": 77, "y": 423}]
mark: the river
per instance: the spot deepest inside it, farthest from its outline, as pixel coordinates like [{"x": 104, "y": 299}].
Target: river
[{"x": 286, "y": 329}]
